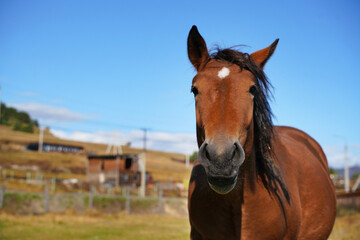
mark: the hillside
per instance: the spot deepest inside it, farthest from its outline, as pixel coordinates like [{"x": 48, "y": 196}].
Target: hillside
[
  {"x": 12, "y": 152},
  {"x": 352, "y": 171}
]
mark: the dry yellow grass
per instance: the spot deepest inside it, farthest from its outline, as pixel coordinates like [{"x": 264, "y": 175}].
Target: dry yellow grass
[
  {"x": 48, "y": 160},
  {"x": 120, "y": 227},
  {"x": 346, "y": 227}
]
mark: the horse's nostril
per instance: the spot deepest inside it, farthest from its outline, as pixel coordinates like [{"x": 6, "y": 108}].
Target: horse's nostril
[
  {"x": 236, "y": 149},
  {"x": 233, "y": 153},
  {"x": 207, "y": 154}
]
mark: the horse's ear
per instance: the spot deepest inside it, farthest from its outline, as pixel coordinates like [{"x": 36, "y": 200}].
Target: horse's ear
[
  {"x": 197, "y": 50},
  {"x": 260, "y": 57}
]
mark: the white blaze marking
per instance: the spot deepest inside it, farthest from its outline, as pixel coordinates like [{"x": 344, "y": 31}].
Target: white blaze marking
[{"x": 223, "y": 72}]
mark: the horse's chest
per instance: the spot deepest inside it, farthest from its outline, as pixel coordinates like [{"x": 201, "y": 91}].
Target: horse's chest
[
  {"x": 263, "y": 222},
  {"x": 215, "y": 219},
  {"x": 262, "y": 216},
  {"x": 248, "y": 218}
]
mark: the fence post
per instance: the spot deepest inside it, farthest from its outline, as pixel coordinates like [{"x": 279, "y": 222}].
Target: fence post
[
  {"x": 155, "y": 189},
  {"x": 160, "y": 201},
  {"x": 128, "y": 199},
  {"x": 46, "y": 199},
  {"x": 2, "y": 199},
  {"x": 91, "y": 196},
  {"x": 38, "y": 177},
  {"x": 53, "y": 184},
  {"x": 28, "y": 176}
]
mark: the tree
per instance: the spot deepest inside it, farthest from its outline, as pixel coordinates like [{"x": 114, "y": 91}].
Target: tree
[
  {"x": 332, "y": 171},
  {"x": 18, "y": 120},
  {"x": 193, "y": 157}
]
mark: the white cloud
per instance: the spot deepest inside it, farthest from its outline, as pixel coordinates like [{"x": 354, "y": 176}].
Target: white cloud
[
  {"x": 50, "y": 113},
  {"x": 169, "y": 142}
]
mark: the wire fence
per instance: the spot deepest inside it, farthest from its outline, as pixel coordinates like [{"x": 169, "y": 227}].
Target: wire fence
[{"x": 25, "y": 202}]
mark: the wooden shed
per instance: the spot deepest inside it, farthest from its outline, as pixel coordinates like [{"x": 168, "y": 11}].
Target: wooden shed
[{"x": 122, "y": 169}]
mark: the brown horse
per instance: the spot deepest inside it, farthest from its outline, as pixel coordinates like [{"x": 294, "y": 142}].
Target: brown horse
[{"x": 252, "y": 180}]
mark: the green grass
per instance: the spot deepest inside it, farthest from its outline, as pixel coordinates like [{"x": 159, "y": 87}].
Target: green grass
[
  {"x": 118, "y": 227},
  {"x": 20, "y": 202},
  {"x": 143, "y": 203},
  {"x": 104, "y": 201},
  {"x": 20, "y": 198}
]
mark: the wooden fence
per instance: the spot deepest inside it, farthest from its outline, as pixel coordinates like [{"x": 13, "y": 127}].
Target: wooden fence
[{"x": 349, "y": 200}]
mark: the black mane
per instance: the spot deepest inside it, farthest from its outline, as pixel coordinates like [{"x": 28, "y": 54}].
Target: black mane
[{"x": 263, "y": 125}]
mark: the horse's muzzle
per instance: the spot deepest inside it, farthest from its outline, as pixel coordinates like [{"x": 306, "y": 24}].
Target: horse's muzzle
[
  {"x": 221, "y": 160},
  {"x": 222, "y": 185}
]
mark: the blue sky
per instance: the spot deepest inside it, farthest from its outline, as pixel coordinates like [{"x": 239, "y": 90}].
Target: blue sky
[{"x": 87, "y": 68}]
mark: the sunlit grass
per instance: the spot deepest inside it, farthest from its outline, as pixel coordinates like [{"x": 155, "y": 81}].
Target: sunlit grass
[
  {"x": 121, "y": 226},
  {"x": 118, "y": 227},
  {"x": 346, "y": 227}
]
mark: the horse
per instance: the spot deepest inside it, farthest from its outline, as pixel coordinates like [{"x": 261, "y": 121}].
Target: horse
[{"x": 251, "y": 179}]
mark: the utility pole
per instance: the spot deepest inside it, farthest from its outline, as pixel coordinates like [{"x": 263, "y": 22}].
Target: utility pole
[
  {"x": 346, "y": 165},
  {"x": 145, "y": 138},
  {"x": 346, "y": 169},
  {"x": 41, "y": 139},
  {"x": 143, "y": 174},
  {"x": 143, "y": 166},
  {"x": 187, "y": 160}
]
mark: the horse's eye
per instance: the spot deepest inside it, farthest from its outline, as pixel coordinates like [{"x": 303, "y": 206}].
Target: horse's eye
[
  {"x": 253, "y": 90},
  {"x": 194, "y": 90}
]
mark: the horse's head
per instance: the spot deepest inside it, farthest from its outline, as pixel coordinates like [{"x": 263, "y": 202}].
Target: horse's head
[{"x": 227, "y": 90}]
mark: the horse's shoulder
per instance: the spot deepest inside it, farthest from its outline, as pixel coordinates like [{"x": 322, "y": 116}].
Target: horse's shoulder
[{"x": 303, "y": 163}]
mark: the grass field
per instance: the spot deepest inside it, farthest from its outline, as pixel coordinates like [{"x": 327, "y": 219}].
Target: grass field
[
  {"x": 121, "y": 227},
  {"x": 346, "y": 228},
  {"x": 117, "y": 227}
]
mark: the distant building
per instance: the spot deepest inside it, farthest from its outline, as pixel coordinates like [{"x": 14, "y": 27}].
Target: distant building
[
  {"x": 106, "y": 169},
  {"x": 50, "y": 147}
]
